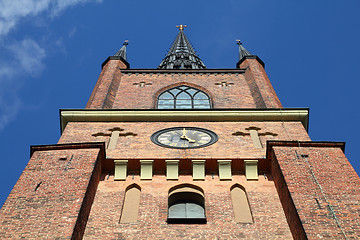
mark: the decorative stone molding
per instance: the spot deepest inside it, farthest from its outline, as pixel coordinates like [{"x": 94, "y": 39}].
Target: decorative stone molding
[
  {"x": 224, "y": 169},
  {"x": 198, "y": 169},
  {"x": 172, "y": 169},
  {"x": 146, "y": 171},
  {"x": 251, "y": 169},
  {"x": 120, "y": 169}
]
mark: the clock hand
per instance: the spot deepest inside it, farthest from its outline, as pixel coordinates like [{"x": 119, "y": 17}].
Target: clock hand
[
  {"x": 184, "y": 134},
  {"x": 186, "y": 137}
]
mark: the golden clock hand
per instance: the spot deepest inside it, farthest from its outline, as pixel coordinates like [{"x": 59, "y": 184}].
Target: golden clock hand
[
  {"x": 186, "y": 137},
  {"x": 184, "y": 134},
  {"x": 189, "y": 139}
]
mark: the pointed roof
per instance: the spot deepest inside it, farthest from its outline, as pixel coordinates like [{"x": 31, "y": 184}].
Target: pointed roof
[
  {"x": 245, "y": 54},
  {"x": 242, "y": 51},
  {"x": 181, "y": 54},
  {"x": 119, "y": 55},
  {"x": 122, "y": 51}
]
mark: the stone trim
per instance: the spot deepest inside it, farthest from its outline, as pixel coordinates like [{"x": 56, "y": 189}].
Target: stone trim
[
  {"x": 172, "y": 169},
  {"x": 198, "y": 169},
  {"x": 146, "y": 171},
  {"x": 214, "y": 115},
  {"x": 251, "y": 169},
  {"x": 224, "y": 169},
  {"x": 120, "y": 169}
]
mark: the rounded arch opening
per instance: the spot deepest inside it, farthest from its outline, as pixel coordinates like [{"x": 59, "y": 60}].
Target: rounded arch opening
[{"x": 186, "y": 204}]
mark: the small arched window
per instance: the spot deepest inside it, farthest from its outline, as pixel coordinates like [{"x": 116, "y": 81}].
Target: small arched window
[
  {"x": 186, "y": 205},
  {"x": 183, "y": 97}
]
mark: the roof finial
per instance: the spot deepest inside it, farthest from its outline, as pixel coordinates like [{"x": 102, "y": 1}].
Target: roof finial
[
  {"x": 122, "y": 51},
  {"x": 238, "y": 42},
  {"x": 242, "y": 51},
  {"x": 181, "y": 27}
]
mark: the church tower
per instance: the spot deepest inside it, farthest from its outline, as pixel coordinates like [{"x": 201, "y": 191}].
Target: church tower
[{"x": 184, "y": 152}]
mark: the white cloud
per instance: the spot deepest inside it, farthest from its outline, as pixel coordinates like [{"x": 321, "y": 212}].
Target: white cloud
[
  {"x": 8, "y": 108},
  {"x": 29, "y": 54},
  {"x": 19, "y": 58},
  {"x": 60, "y": 5},
  {"x": 12, "y": 11},
  {"x": 27, "y": 58}
]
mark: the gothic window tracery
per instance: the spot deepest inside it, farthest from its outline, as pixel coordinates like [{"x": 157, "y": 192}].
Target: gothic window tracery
[{"x": 183, "y": 97}]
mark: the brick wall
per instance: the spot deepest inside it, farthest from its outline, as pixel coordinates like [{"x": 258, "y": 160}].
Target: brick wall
[
  {"x": 269, "y": 219},
  {"x": 121, "y": 88},
  {"x": 53, "y": 196},
  {"x": 106, "y": 87},
  {"x": 260, "y": 86},
  {"x": 317, "y": 178},
  {"x": 140, "y": 146},
  {"x": 235, "y": 95}
]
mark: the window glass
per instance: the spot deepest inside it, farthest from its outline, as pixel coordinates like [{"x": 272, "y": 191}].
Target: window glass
[
  {"x": 201, "y": 95},
  {"x": 186, "y": 210},
  {"x": 183, "y": 102},
  {"x": 166, "y": 95},
  {"x": 177, "y": 211},
  {"x": 183, "y": 97},
  {"x": 166, "y": 101},
  {"x": 174, "y": 91},
  {"x": 201, "y": 102},
  {"x": 192, "y": 91}
]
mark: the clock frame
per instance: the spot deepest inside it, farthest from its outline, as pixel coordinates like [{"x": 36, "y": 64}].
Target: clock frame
[{"x": 184, "y": 137}]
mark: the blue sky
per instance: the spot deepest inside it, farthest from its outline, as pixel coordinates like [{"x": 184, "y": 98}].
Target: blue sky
[{"x": 51, "y": 54}]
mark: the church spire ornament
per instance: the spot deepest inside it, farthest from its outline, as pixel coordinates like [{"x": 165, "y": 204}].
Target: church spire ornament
[
  {"x": 181, "y": 54},
  {"x": 181, "y": 27},
  {"x": 122, "y": 51},
  {"x": 242, "y": 51}
]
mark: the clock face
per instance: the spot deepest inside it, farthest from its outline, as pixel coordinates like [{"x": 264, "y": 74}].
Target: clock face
[{"x": 184, "y": 137}]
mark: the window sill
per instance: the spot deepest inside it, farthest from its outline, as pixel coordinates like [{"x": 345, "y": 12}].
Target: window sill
[{"x": 186, "y": 221}]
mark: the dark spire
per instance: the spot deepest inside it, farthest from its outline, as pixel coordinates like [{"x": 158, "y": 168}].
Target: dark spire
[
  {"x": 181, "y": 54},
  {"x": 242, "y": 51},
  {"x": 122, "y": 51}
]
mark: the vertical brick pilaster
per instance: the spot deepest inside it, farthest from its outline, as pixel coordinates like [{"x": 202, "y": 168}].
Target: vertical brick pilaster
[
  {"x": 106, "y": 87},
  {"x": 261, "y": 89}
]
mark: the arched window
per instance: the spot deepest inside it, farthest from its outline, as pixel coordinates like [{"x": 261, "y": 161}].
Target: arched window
[
  {"x": 131, "y": 203},
  {"x": 183, "y": 97},
  {"x": 241, "y": 205},
  {"x": 186, "y": 205}
]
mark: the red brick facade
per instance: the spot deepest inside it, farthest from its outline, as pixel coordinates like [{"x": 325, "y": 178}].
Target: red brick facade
[
  {"x": 323, "y": 186},
  {"x": 53, "y": 196},
  {"x": 305, "y": 189},
  {"x": 269, "y": 218}
]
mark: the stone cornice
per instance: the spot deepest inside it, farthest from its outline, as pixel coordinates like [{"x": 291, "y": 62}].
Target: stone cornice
[
  {"x": 195, "y": 115},
  {"x": 325, "y": 144},
  {"x": 184, "y": 71}
]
